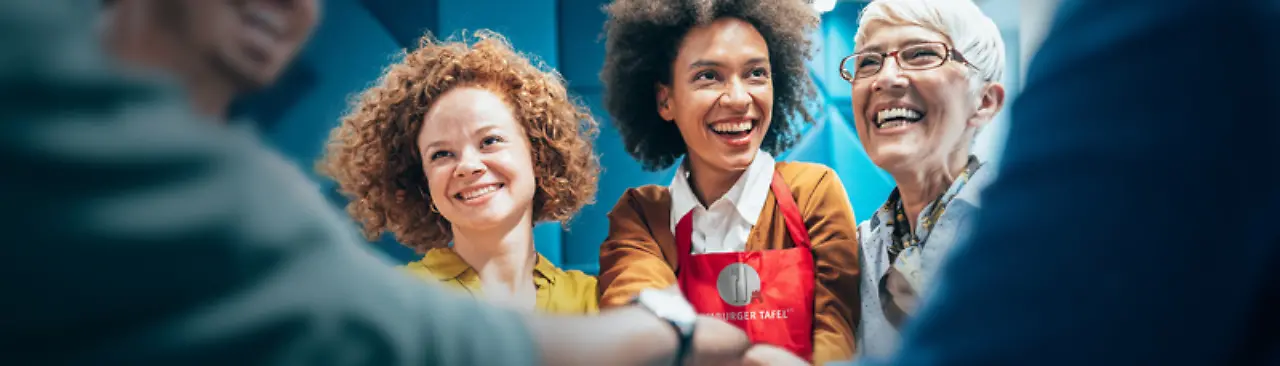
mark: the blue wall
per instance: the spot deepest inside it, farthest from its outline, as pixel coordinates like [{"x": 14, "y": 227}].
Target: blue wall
[
  {"x": 834, "y": 141},
  {"x": 582, "y": 55},
  {"x": 357, "y": 39}
]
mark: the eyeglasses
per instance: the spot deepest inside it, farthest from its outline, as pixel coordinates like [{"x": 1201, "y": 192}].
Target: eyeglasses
[{"x": 920, "y": 56}]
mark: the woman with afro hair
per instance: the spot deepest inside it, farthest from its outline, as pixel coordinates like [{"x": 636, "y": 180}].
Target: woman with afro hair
[
  {"x": 471, "y": 145},
  {"x": 720, "y": 86}
]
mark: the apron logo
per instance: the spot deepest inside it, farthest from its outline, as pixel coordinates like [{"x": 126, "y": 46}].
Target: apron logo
[{"x": 739, "y": 285}]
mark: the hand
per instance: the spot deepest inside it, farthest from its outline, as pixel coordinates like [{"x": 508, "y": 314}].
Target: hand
[
  {"x": 716, "y": 342},
  {"x": 763, "y": 354}
]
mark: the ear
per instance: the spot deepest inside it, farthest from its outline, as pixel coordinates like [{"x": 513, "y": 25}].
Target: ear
[
  {"x": 990, "y": 102},
  {"x": 664, "y": 102}
]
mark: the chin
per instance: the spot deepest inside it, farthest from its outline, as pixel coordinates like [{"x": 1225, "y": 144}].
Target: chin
[
  {"x": 479, "y": 224},
  {"x": 481, "y": 221},
  {"x": 889, "y": 157},
  {"x": 739, "y": 161},
  {"x": 494, "y": 216},
  {"x": 249, "y": 74},
  {"x": 258, "y": 79}
]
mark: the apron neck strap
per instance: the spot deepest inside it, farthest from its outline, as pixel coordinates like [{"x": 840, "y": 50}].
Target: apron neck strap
[
  {"x": 790, "y": 212},
  {"x": 684, "y": 238}
]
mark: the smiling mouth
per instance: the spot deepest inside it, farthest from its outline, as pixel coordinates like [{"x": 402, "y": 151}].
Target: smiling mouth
[
  {"x": 263, "y": 31},
  {"x": 733, "y": 129},
  {"x": 897, "y": 117},
  {"x": 478, "y": 192},
  {"x": 268, "y": 21}
]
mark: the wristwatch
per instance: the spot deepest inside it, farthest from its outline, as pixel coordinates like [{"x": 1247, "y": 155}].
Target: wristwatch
[{"x": 675, "y": 310}]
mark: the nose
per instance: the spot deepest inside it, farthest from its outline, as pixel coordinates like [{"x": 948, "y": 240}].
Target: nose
[
  {"x": 889, "y": 77},
  {"x": 736, "y": 97},
  {"x": 469, "y": 165}
]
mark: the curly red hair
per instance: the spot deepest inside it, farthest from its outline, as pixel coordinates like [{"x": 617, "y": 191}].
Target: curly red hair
[{"x": 374, "y": 158}]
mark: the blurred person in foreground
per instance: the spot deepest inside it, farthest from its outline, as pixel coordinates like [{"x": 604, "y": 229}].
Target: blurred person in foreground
[
  {"x": 1131, "y": 222},
  {"x": 153, "y": 236},
  {"x": 925, "y": 79}
]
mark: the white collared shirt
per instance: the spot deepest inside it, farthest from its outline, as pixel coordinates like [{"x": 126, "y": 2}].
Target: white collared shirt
[{"x": 726, "y": 224}]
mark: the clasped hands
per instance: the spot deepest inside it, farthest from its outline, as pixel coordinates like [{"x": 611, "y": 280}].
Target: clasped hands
[{"x": 716, "y": 343}]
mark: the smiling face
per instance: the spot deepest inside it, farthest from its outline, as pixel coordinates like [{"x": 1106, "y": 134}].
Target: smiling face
[
  {"x": 257, "y": 39},
  {"x": 721, "y": 94},
  {"x": 477, "y": 161},
  {"x": 247, "y": 41},
  {"x": 907, "y": 119}
]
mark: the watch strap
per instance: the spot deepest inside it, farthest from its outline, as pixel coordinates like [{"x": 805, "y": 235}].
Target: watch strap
[{"x": 686, "y": 340}]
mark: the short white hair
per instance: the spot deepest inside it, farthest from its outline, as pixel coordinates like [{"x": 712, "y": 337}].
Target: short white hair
[{"x": 969, "y": 30}]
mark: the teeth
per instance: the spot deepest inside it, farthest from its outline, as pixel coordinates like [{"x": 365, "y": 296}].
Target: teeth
[
  {"x": 269, "y": 18},
  {"x": 892, "y": 124},
  {"x": 472, "y": 194},
  {"x": 732, "y": 127},
  {"x": 897, "y": 113}
]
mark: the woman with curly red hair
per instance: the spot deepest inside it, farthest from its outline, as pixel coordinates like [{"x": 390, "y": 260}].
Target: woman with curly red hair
[{"x": 471, "y": 145}]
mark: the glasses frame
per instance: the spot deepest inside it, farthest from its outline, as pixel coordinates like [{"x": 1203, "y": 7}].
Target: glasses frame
[{"x": 950, "y": 55}]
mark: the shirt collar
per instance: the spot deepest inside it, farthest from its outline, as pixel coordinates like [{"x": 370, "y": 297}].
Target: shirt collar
[
  {"x": 753, "y": 191},
  {"x": 887, "y": 213},
  {"x": 682, "y": 198},
  {"x": 748, "y": 194},
  {"x": 447, "y": 265}
]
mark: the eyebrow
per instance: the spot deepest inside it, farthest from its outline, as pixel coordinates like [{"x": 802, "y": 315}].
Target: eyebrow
[
  {"x": 485, "y": 128},
  {"x": 427, "y": 147},
  {"x": 709, "y": 63},
  {"x": 909, "y": 42}
]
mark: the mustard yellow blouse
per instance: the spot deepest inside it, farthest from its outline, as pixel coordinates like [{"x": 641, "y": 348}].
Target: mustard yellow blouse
[{"x": 558, "y": 291}]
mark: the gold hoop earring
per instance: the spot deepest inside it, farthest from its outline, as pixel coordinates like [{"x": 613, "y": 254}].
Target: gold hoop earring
[{"x": 432, "y": 204}]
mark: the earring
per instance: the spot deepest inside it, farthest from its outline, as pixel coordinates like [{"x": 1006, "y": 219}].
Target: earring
[{"x": 424, "y": 197}]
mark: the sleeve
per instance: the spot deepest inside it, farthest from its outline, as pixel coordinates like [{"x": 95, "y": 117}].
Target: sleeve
[
  {"x": 588, "y": 293},
  {"x": 833, "y": 233},
  {"x": 149, "y": 236},
  {"x": 630, "y": 258},
  {"x": 1104, "y": 239}
]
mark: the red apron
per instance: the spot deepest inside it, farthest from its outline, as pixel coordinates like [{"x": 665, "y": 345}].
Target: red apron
[{"x": 769, "y": 294}]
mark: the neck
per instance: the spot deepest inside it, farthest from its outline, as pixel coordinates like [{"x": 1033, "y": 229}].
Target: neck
[
  {"x": 209, "y": 92},
  {"x": 920, "y": 187},
  {"x": 210, "y": 97},
  {"x": 504, "y": 259},
  {"x": 709, "y": 182}
]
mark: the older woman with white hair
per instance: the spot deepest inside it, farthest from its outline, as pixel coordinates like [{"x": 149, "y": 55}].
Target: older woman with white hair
[{"x": 925, "y": 77}]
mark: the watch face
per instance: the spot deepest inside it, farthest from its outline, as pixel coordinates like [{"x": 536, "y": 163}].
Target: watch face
[{"x": 670, "y": 306}]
